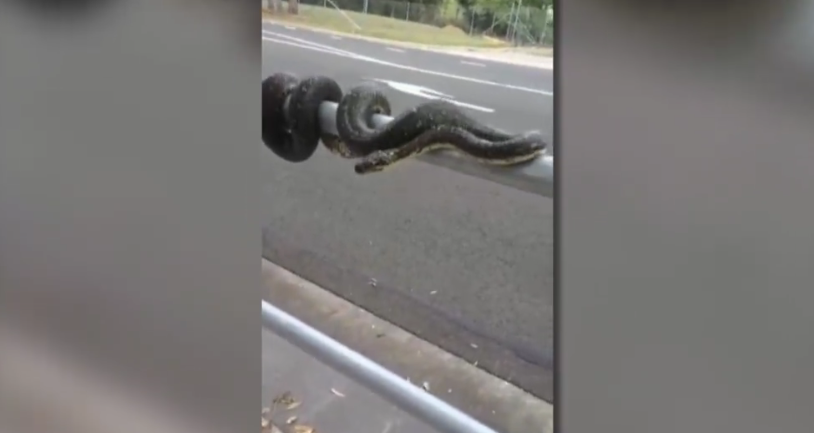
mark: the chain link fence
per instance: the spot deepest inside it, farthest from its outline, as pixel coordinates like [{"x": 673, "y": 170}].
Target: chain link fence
[{"x": 509, "y": 21}]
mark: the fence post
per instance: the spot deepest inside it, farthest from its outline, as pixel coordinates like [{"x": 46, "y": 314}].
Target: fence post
[
  {"x": 516, "y": 21},
  {"x": 509, "y": 27}
]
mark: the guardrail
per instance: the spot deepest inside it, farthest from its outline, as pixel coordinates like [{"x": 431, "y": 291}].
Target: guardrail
[
  {"x": 400, "y": 392},
  {"x": 298, "y": 115}
]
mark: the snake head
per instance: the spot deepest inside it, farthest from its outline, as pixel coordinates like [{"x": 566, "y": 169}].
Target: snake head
[{"x": 375, "y": 162}]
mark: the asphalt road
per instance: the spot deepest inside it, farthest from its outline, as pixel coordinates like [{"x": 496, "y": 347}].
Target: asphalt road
[{"x": 462, "y": 262}]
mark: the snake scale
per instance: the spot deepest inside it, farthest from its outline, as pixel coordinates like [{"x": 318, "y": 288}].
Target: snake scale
[{"x": 291, "y": 127}]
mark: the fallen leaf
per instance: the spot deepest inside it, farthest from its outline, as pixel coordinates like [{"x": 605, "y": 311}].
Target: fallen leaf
[
  {"x": 291, "y": 420},
  {"x": 264, "y": 422},
  {"x": 303, "y": 429},
  {"x": 284, "y": 399},
  {"x": 337, "y": 393},
  {"x": 426, "y": 386},
  {"x": 293, "y": 405}
]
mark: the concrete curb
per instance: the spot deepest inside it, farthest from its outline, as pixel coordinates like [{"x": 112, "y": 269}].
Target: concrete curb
[
  {"x": 479, "y": 53},
  {"x": 493, "y": 401}
]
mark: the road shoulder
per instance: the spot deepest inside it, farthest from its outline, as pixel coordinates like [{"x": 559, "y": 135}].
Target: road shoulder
[
  {"x": 491, "y": 400},
  {"x": 499, "y": 55}
]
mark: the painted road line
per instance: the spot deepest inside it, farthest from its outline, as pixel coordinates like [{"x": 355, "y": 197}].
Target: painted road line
[
  {"x": 284, "y": 40},
  {"x": 336, "y": 38},
  {"x": 302, "y": 43},
  {"x": 480, "y": 65},
  {"x": 427, "y": 93},
  {"x": 318, "y": 49},
  {"x": 395, "y": 50}
]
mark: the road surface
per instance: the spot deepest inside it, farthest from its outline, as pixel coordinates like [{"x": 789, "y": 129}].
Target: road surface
[{"x": 462, "y": 262}]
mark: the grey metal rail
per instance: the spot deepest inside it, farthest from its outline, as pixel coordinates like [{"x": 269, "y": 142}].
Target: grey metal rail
[
  {"x": 376, "y": 378},
  {"x": 535, "y": 177}
]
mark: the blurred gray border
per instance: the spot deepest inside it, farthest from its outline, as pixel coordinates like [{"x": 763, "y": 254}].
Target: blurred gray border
[
  {"x": 129, "y": 223},
  {"x": 685, "y": 218}
]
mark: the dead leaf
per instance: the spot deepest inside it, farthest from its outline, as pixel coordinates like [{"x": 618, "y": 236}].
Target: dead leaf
[
  {"x": 284, "y": 399},
  {"x": 264, "y": 422},
  {"x": 291, "y": 420},
  {"x": 293, "y": 405},
  {"x": 303, "y": 429},
  {"x": 337, "y": 393},
  {"x": 426, "y": 386}
]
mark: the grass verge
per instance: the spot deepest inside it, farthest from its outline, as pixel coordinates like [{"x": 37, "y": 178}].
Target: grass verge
[{"x": 377, "y": 26}]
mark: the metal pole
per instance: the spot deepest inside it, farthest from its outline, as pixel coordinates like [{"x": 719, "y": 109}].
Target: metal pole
[
  {"x": 374, "y": 377},
  {"x": 536, "y": 177}
]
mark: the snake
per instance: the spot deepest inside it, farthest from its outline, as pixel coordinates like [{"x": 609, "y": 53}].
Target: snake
[
  {"x": 293, "y": 131},
  {"x": 514, "y": 150}
]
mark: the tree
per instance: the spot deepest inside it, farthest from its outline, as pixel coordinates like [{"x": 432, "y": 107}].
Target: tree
[{"x": 294, "y": 7}]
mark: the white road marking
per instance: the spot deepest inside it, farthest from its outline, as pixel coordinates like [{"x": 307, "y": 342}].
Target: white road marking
[
  {"x": 427, "y": 93},
  {"x": 302, "y": 43},
  {"x": 290, "y": 28},
  {"x": 336, "y": 37},
  {"x": 309, "y": 45},
  {"x": 480, "y": 65},
  {"x": 321, "y": 50},
  {"x": 396, "y": 50}
]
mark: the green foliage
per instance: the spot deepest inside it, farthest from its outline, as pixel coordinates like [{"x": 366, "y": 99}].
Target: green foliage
[
  {"x": 494, "y": 18},
  {"x": 502, "y": 4}
]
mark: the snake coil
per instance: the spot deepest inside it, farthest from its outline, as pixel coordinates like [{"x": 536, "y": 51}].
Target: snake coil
[{"x": 291, "y": 127}]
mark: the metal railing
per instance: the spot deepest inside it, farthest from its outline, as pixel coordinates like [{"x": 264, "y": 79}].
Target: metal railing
[
  {"x": 407, "y": 396},
  {"x": 536, "y": 176}
]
